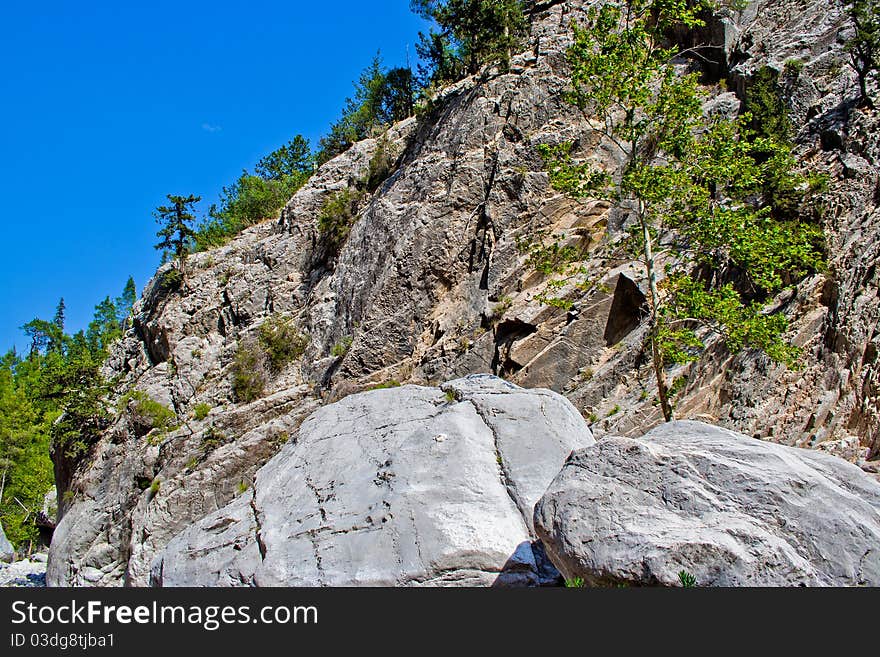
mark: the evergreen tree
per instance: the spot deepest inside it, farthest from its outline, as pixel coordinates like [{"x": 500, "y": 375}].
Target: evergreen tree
[
  {"x": 176, "y": 233},
  {"x": 709, "y": 185},
  {"x": 864, "y": 47},
  {"x": 471, "y": 33},
  {"x": 59, "y": 314},
  {"x": 293, "y": 160},
  {"x": 125, "y": 302}
]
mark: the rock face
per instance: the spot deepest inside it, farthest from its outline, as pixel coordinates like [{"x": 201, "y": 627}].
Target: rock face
[
  {"x": 433, "y": 284},
  {"x": 730, "y": 510},
  {"x": 7, "y": 552},
  {"x": 403, "y": 486}
]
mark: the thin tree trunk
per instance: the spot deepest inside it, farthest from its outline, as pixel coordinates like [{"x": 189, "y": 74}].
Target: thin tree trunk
[{"x": 662, "y": 388}]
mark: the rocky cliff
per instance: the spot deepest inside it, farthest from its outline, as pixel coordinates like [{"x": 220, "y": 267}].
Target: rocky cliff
[{"x": 431, "y": 286}]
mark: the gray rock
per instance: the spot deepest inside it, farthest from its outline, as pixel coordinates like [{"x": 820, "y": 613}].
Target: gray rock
[
  {"x": 405, "y": 486},
  {"x": 7, "y": 552},
  {"x": 23, "y": 574},
  {"x": 730, "y": 510}
]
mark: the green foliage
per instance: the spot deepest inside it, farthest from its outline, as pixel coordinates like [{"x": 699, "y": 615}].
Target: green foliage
[
  {"x": 154, "y": 487},
  {"x": 341, "y": 348},
  {"x": 248, "y": 201},
  {"x": 176, "y": 234},
  {"x": 281, "y": 342},
  {"x": 258, "y": 197},
  {"x": 212, "y": 439},
  {"x": 381, "y": 165},
  {"x": 864, "y": 47},
  {"x": 52, "y": 400},
  {"x": 277, "y": 344},
  {"x": 381, "y": 97},
  {"x": 249, "y": 371},
  {"x": 768, "y": 112},
  {"x": 575, "y": 583},
  {"x": 292, "y": 160},
  {"x": 471, "y": 33},
  {"x": 171, "y": 281},
  {"x": 146, "y": 411},
  {"x": 450, "y": 396},
  {"x": 723, "y": 192},
  {"x": 336, "y": 218},
  {"x": 386, "y": 385},
  {"x": 201, "y": 411},
  {"x": 686, "y": 579}
]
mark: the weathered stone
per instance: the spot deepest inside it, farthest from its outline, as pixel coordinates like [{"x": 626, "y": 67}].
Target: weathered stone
[
  {"x": 729, "y": 510},
  {"x": 24, "y": 573},
  {"x": 405, "y": 486},
  {"x": 7, "y": 552}
]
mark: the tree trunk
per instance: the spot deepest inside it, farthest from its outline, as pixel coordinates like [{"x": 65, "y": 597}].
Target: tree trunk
[{"x": 662, "y": 388}]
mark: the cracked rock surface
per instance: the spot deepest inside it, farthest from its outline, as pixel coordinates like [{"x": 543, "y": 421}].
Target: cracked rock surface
[
  {"x": 730, "y": 510},
  {"x": 403, "y": 486}
]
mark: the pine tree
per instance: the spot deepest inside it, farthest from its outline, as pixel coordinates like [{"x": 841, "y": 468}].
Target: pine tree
[
  {"x": 125, "y": 302},
  {"x": 864, "y": 47},
  {"x": 176, "y": 232},
  {"x": 294, "y": 159},
  {"x": 472, "y": 33}
]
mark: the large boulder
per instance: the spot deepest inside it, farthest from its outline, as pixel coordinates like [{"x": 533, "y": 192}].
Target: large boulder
[
  {"x": 402, "y": 486},
  {"x": 727, "y": 509},
  {"x": 7, "y": 552}
]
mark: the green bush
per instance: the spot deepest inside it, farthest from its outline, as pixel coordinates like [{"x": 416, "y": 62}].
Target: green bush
[
  {"x": 146, "y": 411},
  {"x": 249, "y": 375},
  {"x": 769, "y": 114},
  {"x": 200, "y": 411},
  {"x": 340, "y": 349},
  {"x": 381, "y": 164},
  {"x": 336, "y": 218},
  {"x": 281, "y": 342}
]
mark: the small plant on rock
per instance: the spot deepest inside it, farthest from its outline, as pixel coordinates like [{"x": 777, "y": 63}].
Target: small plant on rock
[
  {"x": 200, "y": 411},
  {"x": 341, "y": 348},
  {"x": 281, "y": 342},
  {"x": 249, "y": 372},
  {"x": 687, "y": 580}
]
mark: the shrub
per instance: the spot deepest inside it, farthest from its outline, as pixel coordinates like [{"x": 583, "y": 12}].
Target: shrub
[
  {"x": 249, "y": 375},
  {"x": 341, "y": 348},
  {"x": 337, "y": 217},
  {"x": 213, "y": 438},
  {"x": 200, "y": 411},
  {"x": 769, "y": 114},
  {"x": 171, "y": 281},
  {"x": 147, "y": 412},
  {"x": 385, "y": 385},
  {"x": 381, "y": 164},
  {"x": 281, "y": 342}
]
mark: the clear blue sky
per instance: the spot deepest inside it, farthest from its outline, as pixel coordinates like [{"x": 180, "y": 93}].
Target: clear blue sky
[{"x": 105, "y": 107}]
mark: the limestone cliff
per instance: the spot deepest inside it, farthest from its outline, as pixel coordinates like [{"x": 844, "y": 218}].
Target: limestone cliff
[{"x": 431, "y": 285}]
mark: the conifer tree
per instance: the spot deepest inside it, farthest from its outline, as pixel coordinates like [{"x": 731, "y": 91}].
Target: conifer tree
[
  {"x": 176, "y": 233},
  {"x": 864, "y": 47},
  {"x": 471, "y": 33}
]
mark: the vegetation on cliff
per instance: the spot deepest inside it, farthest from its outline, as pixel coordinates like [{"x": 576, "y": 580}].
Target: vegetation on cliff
[{"x": 722, "y": 205}]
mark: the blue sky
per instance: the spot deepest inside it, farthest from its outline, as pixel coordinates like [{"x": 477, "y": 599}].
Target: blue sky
[{"x": 105, "y": 107}]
